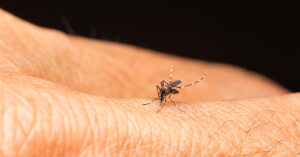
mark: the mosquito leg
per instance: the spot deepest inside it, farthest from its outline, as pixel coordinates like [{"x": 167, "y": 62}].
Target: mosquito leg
[
  {"x": 175, "y": 104},
  {"x": 171, "y": 73},
  {"x": 193, "y": 82},
  {"x": 165, "y": 82},
  {"x": 161, "y": 106},
  {"x": 158, "y": 90},
  {"x": 150, "y": 102}
]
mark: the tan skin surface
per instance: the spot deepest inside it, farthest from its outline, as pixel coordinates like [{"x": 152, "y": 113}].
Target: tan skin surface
[{"x": 65, "y": 95}]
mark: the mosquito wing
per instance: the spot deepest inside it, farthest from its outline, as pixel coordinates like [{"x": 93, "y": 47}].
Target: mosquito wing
[{"x": 175, "y": 83}]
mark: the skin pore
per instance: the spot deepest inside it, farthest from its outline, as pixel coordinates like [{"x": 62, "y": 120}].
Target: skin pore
[{"x": 67, "y": 95}]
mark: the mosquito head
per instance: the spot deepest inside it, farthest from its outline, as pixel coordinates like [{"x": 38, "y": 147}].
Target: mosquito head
[{"x": 161, "y": 98}]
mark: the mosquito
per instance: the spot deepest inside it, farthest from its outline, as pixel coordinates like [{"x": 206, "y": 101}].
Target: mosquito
[{"x": 167, "y": 89}]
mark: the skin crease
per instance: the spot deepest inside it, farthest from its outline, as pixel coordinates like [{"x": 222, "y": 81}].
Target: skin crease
[{"x": 63, "y": 95}]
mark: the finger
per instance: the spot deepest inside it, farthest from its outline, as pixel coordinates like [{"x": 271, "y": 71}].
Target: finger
[
  {"x": 117, "y": 70},
  {"x": 39, "y": 118}
]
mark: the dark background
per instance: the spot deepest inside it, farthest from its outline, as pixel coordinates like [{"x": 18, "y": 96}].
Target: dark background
[{"x": 263, "y": 36}]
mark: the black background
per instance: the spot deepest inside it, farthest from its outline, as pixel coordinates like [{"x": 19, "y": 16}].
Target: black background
[{"x": 263, "y": 36}]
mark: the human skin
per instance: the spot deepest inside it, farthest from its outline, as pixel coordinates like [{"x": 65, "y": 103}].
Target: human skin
[{"x": 63, "y": 95}]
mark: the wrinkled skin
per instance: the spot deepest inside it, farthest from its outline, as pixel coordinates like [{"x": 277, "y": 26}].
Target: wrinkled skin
[{"x": 66, "y": 95}]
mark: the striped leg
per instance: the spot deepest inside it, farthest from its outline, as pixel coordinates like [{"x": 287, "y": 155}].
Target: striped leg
[
  {"x": 150, "y": 102},
  {"x": 171, "y": 73},
  {"x": 175, "y": 104},
  {"x": 194, "y": 82},
  {"x": 158, "y": 89}
]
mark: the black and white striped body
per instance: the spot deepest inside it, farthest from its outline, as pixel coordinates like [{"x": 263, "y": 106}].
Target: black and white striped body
[{"x": 167, "y": 89}]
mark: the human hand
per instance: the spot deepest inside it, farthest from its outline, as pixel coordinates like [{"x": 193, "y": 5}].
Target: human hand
[{"x": 66, "y": 95}]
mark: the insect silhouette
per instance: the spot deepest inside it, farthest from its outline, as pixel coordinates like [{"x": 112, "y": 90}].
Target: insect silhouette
[{"x": 167, "y": 89}]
